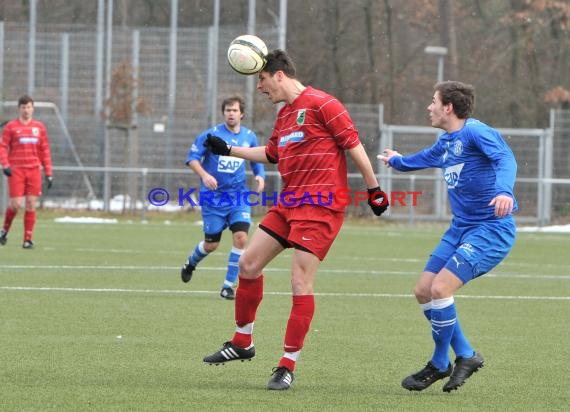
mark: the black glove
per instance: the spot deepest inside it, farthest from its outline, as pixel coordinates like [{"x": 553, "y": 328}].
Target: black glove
[
  {"x": 7, "y": 171},
  {"x": 377, "y": 200},
  {"x": 217, "y": 145},
  {"x": 49, "y": 181}
]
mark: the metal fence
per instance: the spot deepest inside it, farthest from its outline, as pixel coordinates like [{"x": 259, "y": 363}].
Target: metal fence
[
  {"x": 533, "y": 149},
  {"x": 80, "y": 186},
  {"x": 67, "y": 71},
  {"x": 543, "y": 195}
]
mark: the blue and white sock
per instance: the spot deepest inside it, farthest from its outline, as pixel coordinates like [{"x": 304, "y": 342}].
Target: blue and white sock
[
  {"x": 426, "y": 309},
  {"x": 198, "y": 254},
  {"x": 443, "y": 319},
  {"x": 459, "y": 342},
  {"x": 233, "y": 268}
]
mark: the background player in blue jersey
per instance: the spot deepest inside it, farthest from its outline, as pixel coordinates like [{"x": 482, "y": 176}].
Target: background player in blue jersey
[
  {"x": 479, "y": 169},
  {"x": 224, "y": 177}
]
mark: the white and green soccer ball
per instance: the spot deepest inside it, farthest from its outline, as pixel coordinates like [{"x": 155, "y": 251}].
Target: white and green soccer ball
[{"x": 246, "y": 54}]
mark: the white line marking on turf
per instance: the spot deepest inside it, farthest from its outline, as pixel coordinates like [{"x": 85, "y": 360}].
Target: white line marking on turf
[
  {"x": 534, "y": 276},
  {"x": 202, "y": 292}
]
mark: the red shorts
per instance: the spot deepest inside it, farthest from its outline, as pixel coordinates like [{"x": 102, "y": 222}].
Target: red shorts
[
  {"x": 313, "y": 228},
  {"x": 25, "y": 182}
]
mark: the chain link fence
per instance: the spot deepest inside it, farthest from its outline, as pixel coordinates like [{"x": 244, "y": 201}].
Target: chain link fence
[{"x": 152, "y": 154}]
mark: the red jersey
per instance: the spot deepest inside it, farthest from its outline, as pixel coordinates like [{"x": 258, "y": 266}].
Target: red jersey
[
  {"x": 25, "y": 145},
  {"x": 308, "y": 143}
]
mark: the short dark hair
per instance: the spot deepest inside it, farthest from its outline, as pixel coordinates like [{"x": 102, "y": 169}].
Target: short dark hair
[
  {"x": 461, "y": 95},
  {"x": 231, "y": 100},
  {"x": 25, "y": 99},
  {"x": 280, "y": 60}
]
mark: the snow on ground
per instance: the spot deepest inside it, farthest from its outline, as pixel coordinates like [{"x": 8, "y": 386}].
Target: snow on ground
[
  {"x": 85, "y": 219},
  {"x": 545, "y": 229},
  {"x": 117, "y": 203}
]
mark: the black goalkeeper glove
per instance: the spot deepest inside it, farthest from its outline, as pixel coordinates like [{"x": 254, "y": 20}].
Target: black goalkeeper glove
[
  {"x": 7, "y": 171},
  {"x": 377, "y": 200},
  {"x": 217, "y": 145},
  {"x": 49, "y": 182}
]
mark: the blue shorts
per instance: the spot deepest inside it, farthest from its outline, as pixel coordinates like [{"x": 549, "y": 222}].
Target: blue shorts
[
  {"x": 218, "y": 218},
  {"x": 469, "y": 250}
]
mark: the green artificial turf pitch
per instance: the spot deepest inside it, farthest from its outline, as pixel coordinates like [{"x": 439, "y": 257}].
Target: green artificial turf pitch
[{"x": 96, "y": 318}]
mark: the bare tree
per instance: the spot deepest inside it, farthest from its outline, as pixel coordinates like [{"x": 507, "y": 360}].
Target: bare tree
[
  {"x": 372, "y": 51},
  {"x": 369, "y": 20},
  {"x": 391, "y": 59},
  {"x": 448, "y": 36}
]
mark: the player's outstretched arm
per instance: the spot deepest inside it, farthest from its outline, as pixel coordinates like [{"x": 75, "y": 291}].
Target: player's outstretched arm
[
  {"x": 218, "y": 146},
  {"x": 254, "y": 154},
  {"x": 386, "y": 155}
]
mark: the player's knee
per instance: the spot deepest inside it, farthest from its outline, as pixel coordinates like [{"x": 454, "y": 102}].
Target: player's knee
[
  {"x": 15, "y": 205},
  {"x": 422, "y": 293},
  {"x": 247, "y": 267},
  {"x": 240, "y": 240},
  {"x": 211, "y": 246},
  {"x": 440, "y": 290},
  {"x": 301, "y": 286}
]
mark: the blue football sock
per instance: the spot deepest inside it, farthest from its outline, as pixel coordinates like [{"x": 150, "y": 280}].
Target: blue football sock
[
  {"x": 233, "y": 268},
  {"x": 198, "y": 254},
  {"x": 459, "y": 342},
  {"x": 443, "y": 318}
]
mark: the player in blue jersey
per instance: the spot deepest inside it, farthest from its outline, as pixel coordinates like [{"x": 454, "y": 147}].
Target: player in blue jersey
[
  {"x": 479, "y": 169},
  {"x": 223, "y": 184}
]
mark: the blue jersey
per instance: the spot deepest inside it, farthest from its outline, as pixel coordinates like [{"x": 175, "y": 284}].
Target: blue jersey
[
  {"x": 476, "y": 164},
  {"x": 229, "y": 171}
]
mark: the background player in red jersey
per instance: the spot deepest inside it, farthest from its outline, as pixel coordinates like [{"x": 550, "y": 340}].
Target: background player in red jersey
[
  {"x": 24, "y": 149},
  {"x": 312, "y": 132}
]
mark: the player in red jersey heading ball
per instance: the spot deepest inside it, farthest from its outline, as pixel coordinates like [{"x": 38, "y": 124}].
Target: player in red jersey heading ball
[{"x": 312, "y": 132}]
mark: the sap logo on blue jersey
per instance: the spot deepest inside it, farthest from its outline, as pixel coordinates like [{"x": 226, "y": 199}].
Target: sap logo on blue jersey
[
  {"x": 293, "y": 138},
  {"x": 451, "y": 175},
  {"x": 229, "y": 164}
]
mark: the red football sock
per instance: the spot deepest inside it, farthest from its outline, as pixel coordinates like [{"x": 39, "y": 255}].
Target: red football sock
[
  {"x": 29, "y": 223},
  {"x": 8, "y": 218},
  {"x": 248, "y": 297},
  {"x": 288, "y": 363},
  {"x": 298, "y": 326}
]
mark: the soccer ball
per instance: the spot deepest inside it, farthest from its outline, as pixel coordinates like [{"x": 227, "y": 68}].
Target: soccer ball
[{"x": 246, "y": 54}]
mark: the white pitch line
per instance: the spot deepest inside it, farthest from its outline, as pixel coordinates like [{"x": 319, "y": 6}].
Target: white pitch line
[
  {"x": 325, "y": 294},
  {"x": 534, "y": 276}
]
